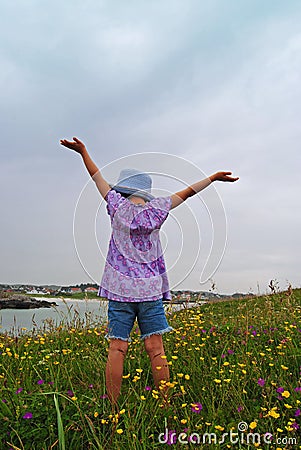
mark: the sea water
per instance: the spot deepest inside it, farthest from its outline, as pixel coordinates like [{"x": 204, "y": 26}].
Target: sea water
[{"x": 18, "y": 321}]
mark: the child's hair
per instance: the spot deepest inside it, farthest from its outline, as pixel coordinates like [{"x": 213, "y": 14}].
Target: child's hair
[{"x": 125, "y": 195}]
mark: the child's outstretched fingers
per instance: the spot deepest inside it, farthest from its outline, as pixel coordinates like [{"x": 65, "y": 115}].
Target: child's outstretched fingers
[
  {"x": 75, "y": 145},
  {"x": 224, "y": 176}
]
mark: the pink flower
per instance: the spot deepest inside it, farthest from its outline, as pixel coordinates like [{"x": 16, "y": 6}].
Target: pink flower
[
  {"x": 261, "y": 382},
  {"x": 40, "y": 381},
  {"x": 19, "y": 390},
  {"x": 27, "y": 415},
  {"x": 197, "y": 407}
]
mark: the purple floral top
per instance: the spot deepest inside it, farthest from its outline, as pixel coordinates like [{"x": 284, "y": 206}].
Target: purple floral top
[{"x": 135, "y": 268}]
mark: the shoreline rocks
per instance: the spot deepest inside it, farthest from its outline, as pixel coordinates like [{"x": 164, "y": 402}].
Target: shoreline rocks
[{"x": 18, "y": 301}]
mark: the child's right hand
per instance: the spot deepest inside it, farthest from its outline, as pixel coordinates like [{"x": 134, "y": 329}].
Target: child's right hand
[{"x": 75, "y": 145}]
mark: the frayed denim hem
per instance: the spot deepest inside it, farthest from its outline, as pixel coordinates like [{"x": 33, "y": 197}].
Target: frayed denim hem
[
  {"x": 160, "y": 332},
  {"x": 108, "y": 337}
]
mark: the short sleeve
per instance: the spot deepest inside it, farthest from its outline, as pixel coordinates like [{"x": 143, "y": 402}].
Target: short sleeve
[
  {"x": 157, "y": 211},
  {"x": 114, "y": 200}
]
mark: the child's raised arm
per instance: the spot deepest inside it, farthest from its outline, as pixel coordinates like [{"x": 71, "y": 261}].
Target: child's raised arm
[
  {"x": 180, "y": 197},
  {"x": 79, "y": 147}
]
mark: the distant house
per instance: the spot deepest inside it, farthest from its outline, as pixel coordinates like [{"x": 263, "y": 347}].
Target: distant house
[
  {"x": 75, "y": 290},
  {"x": 91, "y": 289}
]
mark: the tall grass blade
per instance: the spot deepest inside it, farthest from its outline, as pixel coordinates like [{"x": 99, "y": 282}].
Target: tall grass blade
[{"x": 59, "y": 425}]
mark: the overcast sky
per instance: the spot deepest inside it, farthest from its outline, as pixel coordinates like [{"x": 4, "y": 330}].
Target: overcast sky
[{"x": 180, "y": 88}]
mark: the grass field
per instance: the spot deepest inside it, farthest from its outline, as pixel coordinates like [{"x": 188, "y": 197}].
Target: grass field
[{"x": 235, "y": 368}]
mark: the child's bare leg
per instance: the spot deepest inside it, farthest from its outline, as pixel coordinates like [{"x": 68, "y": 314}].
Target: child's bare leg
[
  {"x": 114, "y": 369},
  {"x": 155, "y": 350}
]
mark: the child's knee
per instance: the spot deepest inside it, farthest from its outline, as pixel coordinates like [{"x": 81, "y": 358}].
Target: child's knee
[
  {"x": 154, "y": 346},
  {"x": 118, "y": 346}
]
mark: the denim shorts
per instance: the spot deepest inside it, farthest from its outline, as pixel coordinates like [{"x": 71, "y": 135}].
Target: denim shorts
[{"x": 150, "y": 316}]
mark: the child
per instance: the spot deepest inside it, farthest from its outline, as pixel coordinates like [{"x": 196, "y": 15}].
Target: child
[{"x": 135, "y": 280}]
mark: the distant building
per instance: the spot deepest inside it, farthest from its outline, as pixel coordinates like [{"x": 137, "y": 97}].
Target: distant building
[
  {"x": 91, "y": 289},
  {"x": 75, "y": 290}
]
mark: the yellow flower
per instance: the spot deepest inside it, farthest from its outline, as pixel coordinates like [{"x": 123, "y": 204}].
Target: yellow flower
[
  {"x": 74, "y": 398},
  {"x": 284, "y": 367},
  {"x": 142, "y": 397},
  {"x": 126, "y": 376},
  {"x": 96, "y": 414},
  {"x": 183, "y": 421},
  {"x": 180, "y": 375},
  {"x": 285, "y": 394},
  {"x": 217, "y": 381},
  {"x": 287, "y": 406},
  {"x": 253, "y": 425},
  {"x": 273, "y": 413},
  {"x": 119, "y": 430},
  {"x": 184, "y": 404},
  {"x": 187, "y": 377},
  {"x": 218, "y": 427},
  {"x": 139, "y": 370}
]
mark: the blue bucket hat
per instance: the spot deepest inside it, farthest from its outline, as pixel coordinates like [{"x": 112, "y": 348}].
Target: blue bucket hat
[{"x": 134, "y": 182}]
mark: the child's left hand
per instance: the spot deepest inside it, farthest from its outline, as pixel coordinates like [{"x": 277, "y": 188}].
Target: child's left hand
[{"x": 223, "y": 176}]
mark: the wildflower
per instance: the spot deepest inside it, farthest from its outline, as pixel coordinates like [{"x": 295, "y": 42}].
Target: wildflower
[
  {"x": 142, "y": 397},
  {"x": 95, "y": 414},
  {"x": 90, "y": 386},
  {"x": 295, "y": 426},
  {"x": 261, "y": 382},
  {"x": 298, "y": 412},
  {"x": 19, "y": 390},
  {"x": 218, "y": 427},
  {"x": 274, "y": 414},
  {"x": 148, "y": 388},
  {"x": 40, "y": 381},
  {"x": 119, "y": 430},
  {"x": 240, "y": 408},
  {"x": 70, "y": 393},
  {"x": 217, "y": 381},
  {"x": 280, "y": 390},
  {"x": 230, "y": 352},
  {"x": 187, "y": 377},
  {"x": 183, "y": 421},
  {"x": 284, "y": 367},
  {"x": 104, "y": 396},
  {"x": 285, "y": 394},
  {"x": 297, "y": 389},
  {"x": 196, "y": 407},
  {"x": 253, "y": 425},
  {"x": 139, "y": 370},
  {"x": 27, "y": 415}
]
